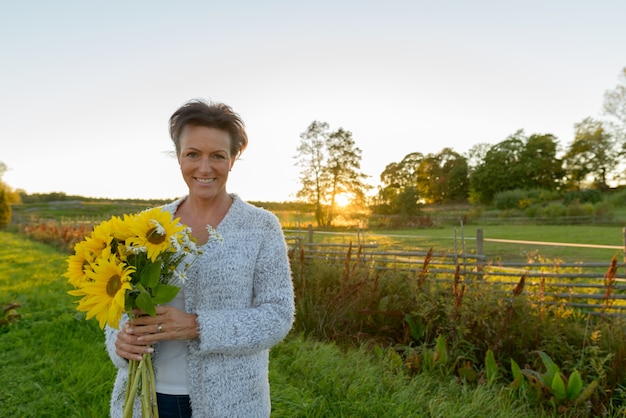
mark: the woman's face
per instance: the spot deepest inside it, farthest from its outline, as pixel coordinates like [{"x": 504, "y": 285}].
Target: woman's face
[{"x": 205, "y": 160}]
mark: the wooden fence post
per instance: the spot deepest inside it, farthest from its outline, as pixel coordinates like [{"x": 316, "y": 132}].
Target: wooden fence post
[{"x": 310, "y": 234}]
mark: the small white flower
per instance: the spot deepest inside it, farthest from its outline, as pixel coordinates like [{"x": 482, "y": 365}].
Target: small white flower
[
  {"x": 159, "y": 228},
  {"x": 175, "y": 244},
  {"x": 180, "y": 275},
  {"x": 139, "y": 249}
]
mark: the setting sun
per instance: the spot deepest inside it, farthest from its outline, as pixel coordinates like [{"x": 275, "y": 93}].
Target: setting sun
[{"x": 343, "y": 199}]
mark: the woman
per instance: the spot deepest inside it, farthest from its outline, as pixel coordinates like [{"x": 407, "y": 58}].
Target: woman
[{"x": 211, "y": 343}]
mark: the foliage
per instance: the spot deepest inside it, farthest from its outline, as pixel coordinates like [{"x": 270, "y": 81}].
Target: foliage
[
  {"x": 592, "y": 155},
  {"x": 455, "y": 328},
  {"x": 615, "y": 107},
  {"x": 518, "y": 162},
  {"x": 582, "y": 196},
  {"x": 443, "y": 177},
  {"x": 5, "y": 207},
  {"x": 330, "y": 164},
  {"x": 434, "y": 178},
  {"x": 308, "y": 378},
  {"x": 552, "y": 385},
  {"x": 519, "y": 198}
]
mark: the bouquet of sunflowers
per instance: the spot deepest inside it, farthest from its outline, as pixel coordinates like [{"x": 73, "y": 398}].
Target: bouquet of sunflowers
[{"x": 127, "y": 263}]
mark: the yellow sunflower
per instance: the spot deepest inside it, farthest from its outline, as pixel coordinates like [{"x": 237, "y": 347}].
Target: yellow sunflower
[
  {"x": 153, "y": 230},
  {"x": 122, "y": 227},
  {"x": 78, "y": 264},
  {"x": 103, "y": 296}
]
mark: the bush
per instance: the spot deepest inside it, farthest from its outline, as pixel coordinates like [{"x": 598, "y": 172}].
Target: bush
[
  {"x": 618, "y": 198},
  {"x": 448, "y": 325},
  {"x": 579, "y": 210},
  {"x": 523, "y": 198},
  {"x": 5, "y": 208},
  {"x": 510, "y": 199},
  {"x": 553, "y": 211},
  {"x": 582, "y": 196},
  {"x": 603, "y": 211}
]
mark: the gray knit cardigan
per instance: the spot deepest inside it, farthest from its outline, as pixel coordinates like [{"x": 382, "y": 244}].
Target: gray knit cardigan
[{"x": 242, "y": 292}]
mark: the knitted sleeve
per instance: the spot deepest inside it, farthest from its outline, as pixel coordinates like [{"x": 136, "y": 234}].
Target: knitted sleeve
[
  {"x": 270, "y": 317},
  {"x": 110, "y": 335}
]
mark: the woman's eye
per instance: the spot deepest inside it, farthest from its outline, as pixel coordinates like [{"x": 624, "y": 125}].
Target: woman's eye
[{"x": 192, "y": 154}]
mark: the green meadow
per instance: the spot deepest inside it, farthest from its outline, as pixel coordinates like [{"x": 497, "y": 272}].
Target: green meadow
[{"x": 53, "y": 362}]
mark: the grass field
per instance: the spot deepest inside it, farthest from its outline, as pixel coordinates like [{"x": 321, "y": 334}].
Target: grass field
[
  {"x": 53, "y": 363},
  {"x": 443, "y": 239}
]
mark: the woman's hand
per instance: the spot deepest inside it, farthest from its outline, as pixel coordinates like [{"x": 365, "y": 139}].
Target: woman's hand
[
  {"x": 168, "y": 324},
  {"x": 127, "y": 345},
  {"x": 137, "y": 335}
]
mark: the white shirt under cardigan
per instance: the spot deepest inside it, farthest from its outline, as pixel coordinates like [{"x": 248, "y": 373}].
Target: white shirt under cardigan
[
  {"x": 171, "y": 378},
  {"x": 242, "y": 292}
]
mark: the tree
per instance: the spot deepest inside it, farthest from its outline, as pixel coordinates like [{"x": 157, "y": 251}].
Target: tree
[
  {"x": 591, "y": 156},
  {"x": 344, "y": 170},
  {"x": 311, "y": 160},
  {"x": 500, "y": 170},
  {"x": 443, "y": 177},
  {"x": 615, "y": 109},
  {"x": 518, "y": 162},
  {"x": 542, "y": 167},
  {"x": 330, "y": 164},
  {"x": 398, "y": 187}
]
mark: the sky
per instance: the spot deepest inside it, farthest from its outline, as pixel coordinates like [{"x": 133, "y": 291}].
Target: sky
[{"x": 87, "y": 88}]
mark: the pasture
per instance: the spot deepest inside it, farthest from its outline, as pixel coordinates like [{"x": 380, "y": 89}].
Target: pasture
[
  {"x": 53, "y": 362},
  {"x": 385, "y": 320}
]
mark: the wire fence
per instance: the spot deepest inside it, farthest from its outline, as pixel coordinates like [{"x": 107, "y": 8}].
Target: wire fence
[{"x": 596, "y": 287}]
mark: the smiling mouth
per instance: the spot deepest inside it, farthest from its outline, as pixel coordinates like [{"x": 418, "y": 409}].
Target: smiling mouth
[{"x": 204, "y": 181}]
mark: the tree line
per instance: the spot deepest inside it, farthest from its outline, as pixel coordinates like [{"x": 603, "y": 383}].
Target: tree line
[{"x": 330, "y": 166}]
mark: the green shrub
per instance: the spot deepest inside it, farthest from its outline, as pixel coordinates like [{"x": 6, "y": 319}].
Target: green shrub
[
  {"x": 523, "y": 198},
  {"x": 603, "y": 211},
  {"x": 5, "y": 207},
  {"x": 618, "y": 198},
  {"x": 510, "y": 199},
  {"x": 582, "y": 210},
  {"x": 554, "y": 211},
  {"x": 582, "y": 196}
]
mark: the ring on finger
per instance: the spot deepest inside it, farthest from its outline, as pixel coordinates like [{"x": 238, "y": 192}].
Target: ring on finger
[{"x": 159, "y": 328}]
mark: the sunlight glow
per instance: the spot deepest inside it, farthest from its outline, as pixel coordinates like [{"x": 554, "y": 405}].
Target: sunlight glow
[{"x": 343, "y": 200}]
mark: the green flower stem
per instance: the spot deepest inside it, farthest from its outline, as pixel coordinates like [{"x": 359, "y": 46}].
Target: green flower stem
[
  {"x": 152, "y": 384},
  {"x": 132, "y": 369},
  {"x": 131, "y": 388},
  {"x": 145, "y": 393}
]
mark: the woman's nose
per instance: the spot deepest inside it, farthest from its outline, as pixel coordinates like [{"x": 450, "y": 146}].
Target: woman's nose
[{"x": 205, "y": 164}]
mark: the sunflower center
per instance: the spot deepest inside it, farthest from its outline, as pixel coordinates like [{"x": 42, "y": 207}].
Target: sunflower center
[
  {"x": 113, "y": 285},
  {"x": 154, "y": 237}
]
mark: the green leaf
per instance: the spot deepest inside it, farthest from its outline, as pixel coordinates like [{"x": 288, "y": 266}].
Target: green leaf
[
  {"x": 558, "y": 387},
  {"x": 144, "y": 302},
  {"x": 441, "y": 354},
  {"x": 150, "y": 274},
  {"x": 416, "y": 326},
  {"x": 574, "y": 385},
  {"x": 551, "y": 368},
  {"x": 129, "y": 300},
  {"x": 586, "y": 394},
  {"x": 491, "y": 367},
  {"x": 534, "y": 379},
  {"x": 164, "y": 293},
  {"x": 518, "y": 377}
]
